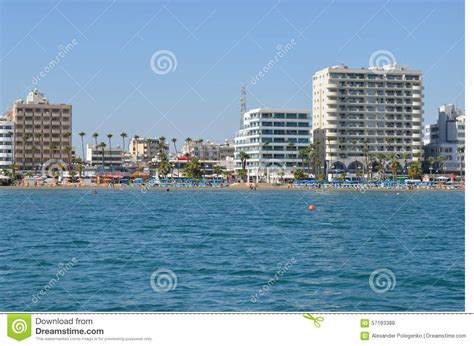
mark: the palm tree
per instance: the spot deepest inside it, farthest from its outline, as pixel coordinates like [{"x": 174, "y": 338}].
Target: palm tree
[
  {"x": 109, "y": 136},
  {"x": 193, "y": 169},
  {"x": 82, "y": 134},
  {"x": 102, "y": 145},
  {"x": 381, "y": 158},
  {"x": 243, "y": 159},
  {"x": 162, "y": 145},
  {"x": 317, "y": 159},
  {"x": 302, "y": 154},
  {"x": 218, "y": 170},
  {"x": 441, "y": 160},
  {"x": 366, "y": 155},
  {"x": 69, "y": 155},
  {"x": 313, "y": 156},
  {"x": 414, "y": 170},
  {"x": 176, "y": 153},
  {"x": 13, "y": 168},
  {"x": 291, "y": 145},
  {"x": 68, "y": 149},
  {"x": 79, "y": 164},
  {"x": 431, "y": 161},
  {"x": 52, "y": 149},
  {"x": 123, "y": 135},
  {"x": 394, "y": 165},
  {"x": 460, "y": 151},
  {"x": 95, "y": 135},
  {"x": 405, "y": 157},
  {"x": 25, "y": 142}
]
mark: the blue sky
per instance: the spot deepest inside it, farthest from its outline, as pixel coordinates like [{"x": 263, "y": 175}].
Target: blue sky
[{"x": 219, "y": 46}]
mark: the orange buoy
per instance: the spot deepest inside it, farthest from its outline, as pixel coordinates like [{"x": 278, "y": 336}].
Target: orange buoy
[{"x": 312, "y": 207}]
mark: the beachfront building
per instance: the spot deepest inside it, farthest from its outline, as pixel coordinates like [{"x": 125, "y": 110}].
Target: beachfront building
[
  {"x": 226, "y": 150},
  {"x": 444, "y": 141},
  {"x": 42, "y": 131},
  {"x": 271, "y": 138},
  {"x": 203, "y": 150},
  {"x": 104, "y": 156},
  {"x": 362, "y": 113},
  {"x": 213, "y": 154},
  {"x": 6, "y": 144},
  {"x": 143, "y": 150}
]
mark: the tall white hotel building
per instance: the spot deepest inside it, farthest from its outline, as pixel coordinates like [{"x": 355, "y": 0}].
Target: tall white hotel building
[
  {"x": 272, "y": 137},
  {"x": 360, "y": 111}
]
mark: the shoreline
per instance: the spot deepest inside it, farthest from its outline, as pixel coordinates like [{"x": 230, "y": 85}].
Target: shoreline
[{"x": 236, "y": 187}]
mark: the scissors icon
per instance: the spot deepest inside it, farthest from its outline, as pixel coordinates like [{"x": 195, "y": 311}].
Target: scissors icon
[{"x": 316, "y": 320}]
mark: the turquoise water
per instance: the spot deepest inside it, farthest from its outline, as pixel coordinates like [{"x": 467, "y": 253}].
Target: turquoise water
[{"x": 72, "y": 250}]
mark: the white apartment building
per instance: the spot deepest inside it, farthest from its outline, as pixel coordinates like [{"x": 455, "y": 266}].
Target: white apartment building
[
  {"x": 99, "y": 156},
  {"x": 6, "y": 143},
  {"x": 203, "y": 150},
  {"x": 366, "y": 112},
  {"x": 207, "y": 150},
  {"x": 446, "y": 139},
  {"x": 272, "y": 137}
]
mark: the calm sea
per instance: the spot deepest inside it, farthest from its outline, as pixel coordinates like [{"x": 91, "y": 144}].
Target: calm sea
[{"x": 216, "y": 250}]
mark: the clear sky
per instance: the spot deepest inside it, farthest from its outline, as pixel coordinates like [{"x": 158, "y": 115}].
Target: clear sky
[{"x": 219, "y": 46}]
